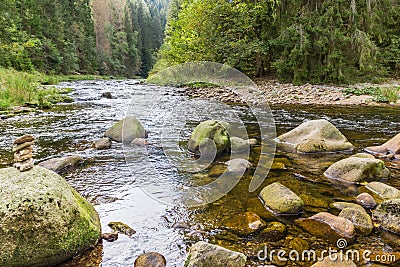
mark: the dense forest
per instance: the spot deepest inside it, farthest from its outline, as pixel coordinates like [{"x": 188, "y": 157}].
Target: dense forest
[
  {"x": 117, "y": 37},
  {"x": 318, "y": 41}
]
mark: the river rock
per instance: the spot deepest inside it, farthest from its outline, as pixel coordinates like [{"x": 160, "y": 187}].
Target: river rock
[
  {"x": 205, "y": 254},
  {"x": 281, "y": 200},
  {"x": 128, "y": 129},
  {"x": 43, "y": 221},
  {"x": 356, "y": 170},
  {"x": 139, "y": 142},
  {"x": 366, "y": 201},
  {"x": 390, "y": 147},
  {"x": 206, "y": 135},
  {"x": 363, "y": 155},
  {"x": 239, "y": 144},
  {"x": 387, "y": 215},
  {"x": 238, "y": 165},
  {"x": 20, "y": 147},
  {"x": 59, "y": 165},
  {"x": 384, "y": 191},
  {"x": 274, "y": 231},
  {"x": 24, "y": 139},
  {"x": 102, "y": 143},
  {"x": 106, "y": 95},
  {"x": 122, "y": 228},
  {"x": 335, "y": 261},
  {"x": 360, "y": 219},
  {"x": 150, "y": 259},
  {"x": 110, "y": 237},
  {"x": 244, "y": 223},
  {"x": 316, "y": 136},
  {"x": 328, "y": 226},
  {"x": 24, "y": 165}
]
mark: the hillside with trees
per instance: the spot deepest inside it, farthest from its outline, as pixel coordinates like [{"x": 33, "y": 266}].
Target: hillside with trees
[{"x": 322, "y": 41}]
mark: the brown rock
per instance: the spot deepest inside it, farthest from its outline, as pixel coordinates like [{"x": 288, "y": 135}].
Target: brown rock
[
  {"x": 151, "y": 259},
  {"x": 19, "y": 147},
  {"x": 328, "y": 226},
  {"x": 22, "y": 158},
  {"x": 102, "y": 143},
  {"x": 25, "y": 165},
  {"x": 24, "y": 139},
  {"x": 109, "y": 237},
  {"x": 139, "y": 142},
  {"x": 366, "y": 201},
  {"x": 390, "y": 147},
  {"x": 25, "y": 151},
  {"x": 245, "y": 223}
]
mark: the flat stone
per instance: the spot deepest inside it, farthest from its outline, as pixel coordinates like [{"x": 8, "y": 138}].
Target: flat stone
[
  {"x": 327, "y": 226},
  {"x": 205, "y": 254},
  {"x": 19, "y": 147},
  {"x": 22, "y": 157},
  {"x": 24, "y": 165},
  {"x": 58, "y": 165},
  {"x": 24, "y": 139},
  {"x": 25, "y": 151},
  {"x": 281, "y": 200},
  {"x": 384, "y": 191}
]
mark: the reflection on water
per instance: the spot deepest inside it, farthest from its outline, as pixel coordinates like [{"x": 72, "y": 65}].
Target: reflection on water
[{"x": 114, "y": 186}]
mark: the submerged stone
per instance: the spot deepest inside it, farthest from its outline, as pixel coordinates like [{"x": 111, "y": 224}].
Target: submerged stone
[
  {"x": 43, "y": 221},
  {"x": 316, "y": 136},
  {"x": 244, "y": 223}
]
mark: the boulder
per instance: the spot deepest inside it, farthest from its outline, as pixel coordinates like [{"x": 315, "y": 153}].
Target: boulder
[
  {"x": 366, "y": 201},
  {"x": 315, "y": 136},
  {"x": 390, "y": 147},
  {"x": 335, "y": 260},
  {"x": 102, "y": 143},
  {"x": 328, "y": 226},
  {"x": 360, "y": 219},
  {"x": 244, "y": 223},
  {"x": 150, "y": 259},
  {"x": 384, "y": 191},
  {"x": 59, "y": 165},
  {"x": 357, "y": 170},
  {"x": 205, "y": 254},
  {"x": 281, "y": 200},
  {"x": 43, "y": 221},
  {"x": 206, "y": 135},
  {"x": 126, "y": 130},
  {"x": 387, "y": 215}
]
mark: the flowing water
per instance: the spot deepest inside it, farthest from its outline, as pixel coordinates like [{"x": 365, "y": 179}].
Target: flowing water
[{"x": 113, "y": 179}]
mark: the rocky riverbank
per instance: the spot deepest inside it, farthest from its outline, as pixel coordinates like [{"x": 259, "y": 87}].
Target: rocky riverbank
[{"x": 273, "y": 92}]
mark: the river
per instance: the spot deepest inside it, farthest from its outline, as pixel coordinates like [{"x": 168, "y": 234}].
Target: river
[{"x": 116, "y": 188}]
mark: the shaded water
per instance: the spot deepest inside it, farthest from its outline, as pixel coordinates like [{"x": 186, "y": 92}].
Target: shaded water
[{"x": 114, "y": 186}]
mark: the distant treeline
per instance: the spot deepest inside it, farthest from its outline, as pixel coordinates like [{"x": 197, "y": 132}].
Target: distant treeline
[
  {"x": 64, "y": 37},
  {"x": 319, "y": 41}
]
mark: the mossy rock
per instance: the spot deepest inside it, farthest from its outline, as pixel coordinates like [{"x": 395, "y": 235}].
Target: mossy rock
[
  {"x": 387, "y": 215},
  {"x": 206, "y": 135},
  {"x": 43, "y": 220},
  {"x": 126, "y": 130}
]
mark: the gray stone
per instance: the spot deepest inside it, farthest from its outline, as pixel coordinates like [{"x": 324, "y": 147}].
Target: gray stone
[
  {"x": 43, "y": 221},
  {"x": 384, "y": 191},
  {"x": 58, "y": 165},
  {"x": 203, "y": 254},
  {"x": 126, "y": 130},
  {"x": 366, "y": 201},
  {"x": 102, "y": 143}
]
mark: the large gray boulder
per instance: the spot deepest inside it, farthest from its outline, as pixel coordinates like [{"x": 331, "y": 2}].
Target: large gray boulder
[
  {"x": 387, "y": 215},
  {"x": 207, "y": 134},
  {"x": 281, "y": 200},
  {"x": 357, "y": 170},
  {"x": 315, "y": 136},
  {"x": 43, "y": 220},
  {"x": 390, "y": 147},
  {"x": 203, "y": 254},
  {"x": 126, "y": 130}
]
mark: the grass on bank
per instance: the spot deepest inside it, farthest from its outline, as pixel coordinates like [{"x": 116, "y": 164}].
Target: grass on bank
[
  {"x": 22, "y": 88},
  {"x": 385, "y": 94}
]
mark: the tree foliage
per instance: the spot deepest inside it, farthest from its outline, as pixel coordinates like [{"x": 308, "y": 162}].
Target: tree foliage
[{"x": 314, "y": 40}]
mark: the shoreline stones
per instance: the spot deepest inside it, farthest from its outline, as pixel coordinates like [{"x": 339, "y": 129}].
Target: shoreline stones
[
  {"x": 315, "y": 136},
  {"x": 328, "y": 226},
  {"x": 210, "y": 138},
  {"x": 43, "y": 221},
  {"x": 23, "y": 153},
  {"x": 59, "y": 165},
  {"x": 357, "y": 169},
  {"x": 280, "y": 200},
  {"x": 124, "y": 131},
  {"x": 205, "y": 254},
  {"x": 150, "y": 259}
]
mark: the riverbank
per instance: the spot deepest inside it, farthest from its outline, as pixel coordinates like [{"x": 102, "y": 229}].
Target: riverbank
[{"x": 273, "y": 92}]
